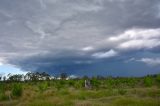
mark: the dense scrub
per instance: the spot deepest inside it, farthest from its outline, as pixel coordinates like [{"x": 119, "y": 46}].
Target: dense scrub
[{"x": 144, "y": 91}]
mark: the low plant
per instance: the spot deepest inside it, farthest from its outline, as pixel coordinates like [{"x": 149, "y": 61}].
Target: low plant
[
  {"x": 2, "y": 93},
  {"x": 122, "y": 91},
  {"x": 79, "y": 84},
  {"x": 43, "y": 86},
  {"x": 95, "y": 83},
  {"x": 158, "y": 78},
  {"x": 17, "y": 90},
  {"x": 148, "y": 81}
]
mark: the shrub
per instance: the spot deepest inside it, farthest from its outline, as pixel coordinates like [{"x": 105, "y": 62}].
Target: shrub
[
  {"x": 148, "y": 81},
  {"x": 2, "y": 93},
  {"x": 43, "y": 86},
  {"x": 95, "y": 83},
  {"x": 122, "y": 91},
  {"x": 158, "y": 78},
  {"x": 71, "y": 82},
  {"x": 64, "y": 92},
  {"x": 60, "y": 84},
  {"x": 109, "y": 83},
  {"x": 17, "y": 90},
  {"x": 81, "y": 96},
  {"x": 79, "y": 84},
  {"x": 1, "y": 88},
  {"x": 3, "y": 97}
]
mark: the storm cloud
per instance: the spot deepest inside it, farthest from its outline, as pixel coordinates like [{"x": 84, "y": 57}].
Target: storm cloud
[{"x": 83, "y": 37}]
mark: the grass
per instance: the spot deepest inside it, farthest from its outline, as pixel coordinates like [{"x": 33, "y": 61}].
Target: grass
[
  {"x": 80, "y": 97},
  {"x": 108, "y": 92},
  {"x": 17, "y": 90},
  {"x": 136, "y": 102}
]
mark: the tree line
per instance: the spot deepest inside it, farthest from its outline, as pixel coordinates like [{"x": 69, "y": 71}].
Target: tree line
[{"x": 30, "y": 76}]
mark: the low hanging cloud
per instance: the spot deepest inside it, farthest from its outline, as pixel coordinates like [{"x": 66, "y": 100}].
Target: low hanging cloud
[
  {"x": 137, "y": 33},
  {"x": 150, "y": 61},
  {"x": 1, "y": 61},
  {"x": 137, "y": 39},
  {"x": 108, "y": 54},
  {"x": 88, "y": 48}
]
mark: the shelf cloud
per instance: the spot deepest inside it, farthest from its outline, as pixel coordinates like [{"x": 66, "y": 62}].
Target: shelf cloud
[{"x": 83, "y": 37}]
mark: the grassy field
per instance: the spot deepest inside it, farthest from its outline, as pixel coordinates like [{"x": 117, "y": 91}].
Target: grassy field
[{"x": 104, "y": 92}]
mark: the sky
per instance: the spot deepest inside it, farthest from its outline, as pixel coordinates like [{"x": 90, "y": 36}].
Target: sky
[{"x": 80, "y": 37}]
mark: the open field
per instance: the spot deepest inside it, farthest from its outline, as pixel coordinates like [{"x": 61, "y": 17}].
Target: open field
[{"x": 104, "y": 92}]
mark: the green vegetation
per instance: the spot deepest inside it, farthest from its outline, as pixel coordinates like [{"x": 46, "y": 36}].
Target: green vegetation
[
  {"x": 2, "y": 93},
  {"x": 148, "y": 81},
  {"x": 109, "y": 91},
  {"x": 17, "y": 90}
]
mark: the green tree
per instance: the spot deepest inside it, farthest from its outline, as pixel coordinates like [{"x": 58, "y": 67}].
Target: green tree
[{"x": 63, "y": 75}]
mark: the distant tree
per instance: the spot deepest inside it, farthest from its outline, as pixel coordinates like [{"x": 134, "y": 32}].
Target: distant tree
[
  {"x": 85, "y": 77},
  {"x": 63, "y": 75},
  {"x": 32, "y": 76},
  {"x": 100, "y": 77},
  {"x": 47, "y": 76},
  {"x": 16, "y": 77},
  {"x": 37, "y": 76},
  {"x": 158, "y": 78},
  {"x": 0, "y": 77},
  {"x": 4, "y": 78},
  {"x": 28, "y": 76},
  {"x": 8, "y": 75}
]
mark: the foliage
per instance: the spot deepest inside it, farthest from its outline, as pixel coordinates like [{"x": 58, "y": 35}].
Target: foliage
[
  {"x": 95, "y": 83},
  {"x": 122, "y": 91},
  {"x": 71, "y": 83},
  {"x": 2, "y": 92},
  {"x": 16, "y": 77},
  {"x": 59, "y": 84},
  {"x": 63, "y": 75},
  {"x": 17, "y": 89},
  {"x": 148, "y": 81},
  {"x": 43, "y": 86},
  {"x": 158, "y": 78},
  {"x": 79, "y": 84},
  {"x": 106, "y": 92}
]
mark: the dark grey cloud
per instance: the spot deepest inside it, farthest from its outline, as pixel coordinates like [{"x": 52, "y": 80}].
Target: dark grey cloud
[{"x": 78, "y": 35}]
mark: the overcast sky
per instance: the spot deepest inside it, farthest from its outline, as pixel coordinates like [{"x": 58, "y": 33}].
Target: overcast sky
[{"x": 81, "y": 37}]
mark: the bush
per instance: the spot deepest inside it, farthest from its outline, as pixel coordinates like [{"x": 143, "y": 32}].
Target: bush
[
  {"x": 2, "y": 93},
  {"x": 95, "y": 83},
  {"x": 148, "y": 81},
  {"x": 122, "y": 91},
  {"x": 60, "y": 84},
  {"x": 79, "y": 84},
  {"x": 109, "y": 83},
  {"x": 3, "y": 96},
  {"x": 17, "y": 90},
  {"x": 71, "y": 82},
  {"x": 82, "y": 96},
  {"x": 158, "y": 78},
  {"x": 1, "y": 88},
  {"x": 43, "y": 86},
  {"x": 64, "y": 92}
]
